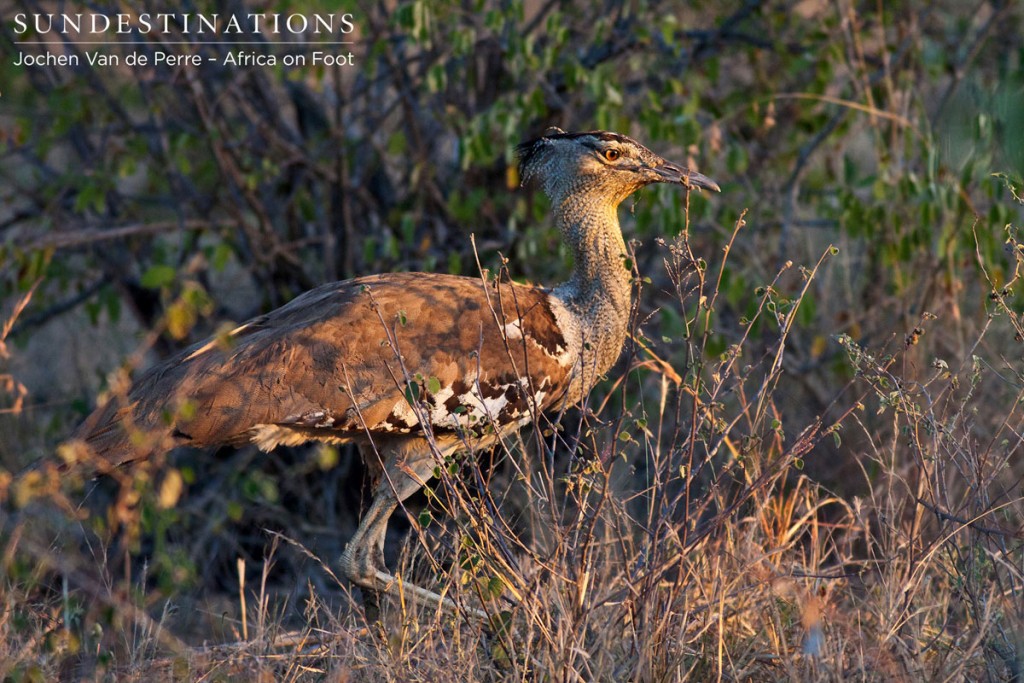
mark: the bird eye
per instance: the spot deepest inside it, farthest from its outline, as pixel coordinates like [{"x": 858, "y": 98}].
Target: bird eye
[{"x": 612, "y": 154}]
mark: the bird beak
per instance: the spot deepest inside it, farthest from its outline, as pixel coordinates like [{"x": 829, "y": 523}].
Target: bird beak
[{"x": 674, "y": 173}]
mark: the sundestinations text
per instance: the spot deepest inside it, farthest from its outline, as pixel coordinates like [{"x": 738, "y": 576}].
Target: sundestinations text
[{"x": 261, "y": 23}]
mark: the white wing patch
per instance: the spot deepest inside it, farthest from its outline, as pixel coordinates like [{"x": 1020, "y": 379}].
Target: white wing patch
[
  {"x": 498, "y": 405},
  {"x": 568, "y": 324},
  {"x": 513, "y": 330}
]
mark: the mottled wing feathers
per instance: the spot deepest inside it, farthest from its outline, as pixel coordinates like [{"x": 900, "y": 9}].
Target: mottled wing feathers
[{"x": 344, "y": 360}]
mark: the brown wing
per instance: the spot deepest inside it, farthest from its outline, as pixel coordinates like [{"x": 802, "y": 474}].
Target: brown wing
[{"x": 343, "y": 360}]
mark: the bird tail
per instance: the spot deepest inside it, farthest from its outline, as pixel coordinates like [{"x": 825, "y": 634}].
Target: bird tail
[{"x": 112, "y": 437}]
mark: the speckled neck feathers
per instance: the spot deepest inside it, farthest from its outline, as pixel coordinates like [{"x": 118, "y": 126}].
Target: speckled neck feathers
[{"x": 597, "y": 294}]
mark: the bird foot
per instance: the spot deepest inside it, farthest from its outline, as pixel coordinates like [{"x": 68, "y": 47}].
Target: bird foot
[
  {"x": 362, "y": 568},
  {"x": 384, "y": 582}
]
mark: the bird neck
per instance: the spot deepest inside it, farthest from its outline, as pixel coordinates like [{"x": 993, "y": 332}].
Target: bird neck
[
  {"x": 600, "y": 286},
  {"x": 599, "y": 253}
]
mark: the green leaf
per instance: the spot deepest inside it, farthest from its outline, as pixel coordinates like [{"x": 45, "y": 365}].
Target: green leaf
[
  {"x": 235, "y": 510},
  {"x": 158, "y": 276},
  {"x": 434, "y": 385},
  {"x": 221, "y": 255}
]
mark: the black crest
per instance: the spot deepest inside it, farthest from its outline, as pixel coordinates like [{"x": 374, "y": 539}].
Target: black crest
[{"x": 527, "y": 152}]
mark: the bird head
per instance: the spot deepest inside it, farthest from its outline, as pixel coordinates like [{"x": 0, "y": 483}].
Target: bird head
[{"x": 611, "y": 163}]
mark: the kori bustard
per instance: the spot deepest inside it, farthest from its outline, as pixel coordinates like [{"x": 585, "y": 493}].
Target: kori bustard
[{"x": 411, "y": 367}]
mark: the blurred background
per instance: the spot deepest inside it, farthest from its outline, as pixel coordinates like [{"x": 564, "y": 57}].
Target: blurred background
[{"x": 144, "y": 209}]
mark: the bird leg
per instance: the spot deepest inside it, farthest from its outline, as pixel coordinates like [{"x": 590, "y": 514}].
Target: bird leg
[{"x": 363, "y": 558}]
